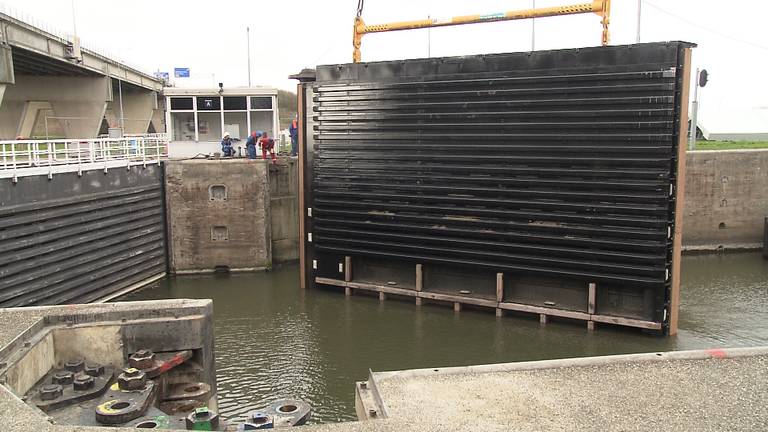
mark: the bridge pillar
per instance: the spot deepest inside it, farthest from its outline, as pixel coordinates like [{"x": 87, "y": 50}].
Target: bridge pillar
[
  {"x": 6, "y": 69},
  {"x": 59, "y": 106},
  {"x": 138, "y": 104}
]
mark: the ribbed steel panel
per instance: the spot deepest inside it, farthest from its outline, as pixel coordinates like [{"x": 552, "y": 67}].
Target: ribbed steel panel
[
  {"x": 77, "y": 239},
  {"x": 555, "y": 164}
]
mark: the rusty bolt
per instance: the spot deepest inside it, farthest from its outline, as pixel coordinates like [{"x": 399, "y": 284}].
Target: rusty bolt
[
  {"x": 75, "y": 365},
  {"x": 131, "y": 379},
  {"x": 94, "y": 369},
  {"x": 50, "y": 391},
  {"x": 83, "y": 382},
  {"x": 142, "y": 359},
  {"x": 63, "y": 377}
]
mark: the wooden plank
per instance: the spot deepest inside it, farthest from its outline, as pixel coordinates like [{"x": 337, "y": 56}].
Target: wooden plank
[
  {"x": 627, "y": 322},
  {"x": 542, "y": 319},
  {"x": 682, "y": 144},
  {"x": 382, "y": 296},
  {"x": 457, "y": 307},
  {"x": 544, "y": 311},
  {"x": 418, "y": 301},
  {"x": 347, "y": 268},
  {"x": 382, "y": 288},
  {"x": 499, "y": 312},
  {"x": 419, "y": 277},
  {"x": 591, "y": 299},
  {"x": 499, "y": 287},
  {"x": 302, "y": 208},
  {"x": 457, "y": 299},
  {"x": 329, "y": 281}
]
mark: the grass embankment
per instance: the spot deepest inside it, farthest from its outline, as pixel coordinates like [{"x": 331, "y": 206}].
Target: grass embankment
[{"x": 730, "y": 145}]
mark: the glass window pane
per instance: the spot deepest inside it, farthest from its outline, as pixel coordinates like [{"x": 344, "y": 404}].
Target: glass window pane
[
  {"x": 209, "y": 126},
  {"x": 261, "y": 102},
  {"x": 208, "y": 103},
  {"x": 181, "y": 103},
  {"x": 236, "y": 124},
  {"x": 262, "y": 121},
  {"x": 182, "y": 126},
  {"x": 232, "y": 103}
]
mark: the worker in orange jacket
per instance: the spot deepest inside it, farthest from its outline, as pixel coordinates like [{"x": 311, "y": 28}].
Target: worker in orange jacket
[{"x": 267, "y": 145}]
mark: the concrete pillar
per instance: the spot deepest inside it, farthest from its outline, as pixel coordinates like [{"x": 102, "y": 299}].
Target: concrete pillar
[
  {"x": 139, "y": 107},
  {"x": 77, "y": 104}
]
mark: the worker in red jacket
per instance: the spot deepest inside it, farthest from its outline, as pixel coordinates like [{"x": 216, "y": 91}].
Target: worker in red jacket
[{"x": 267, "y": 145}]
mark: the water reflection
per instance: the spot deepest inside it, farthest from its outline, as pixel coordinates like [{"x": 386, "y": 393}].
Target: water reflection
[{"x": 273, "y": 339}]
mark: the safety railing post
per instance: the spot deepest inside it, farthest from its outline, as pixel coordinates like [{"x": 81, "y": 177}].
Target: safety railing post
[
  {"x": 51, "y": 146},
  {"x": 143, "y": 147}
]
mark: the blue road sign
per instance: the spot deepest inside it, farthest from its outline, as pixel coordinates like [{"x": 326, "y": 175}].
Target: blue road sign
[{"x": 181, "y": 72}]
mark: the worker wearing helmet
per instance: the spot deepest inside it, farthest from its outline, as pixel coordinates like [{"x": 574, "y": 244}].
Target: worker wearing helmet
[
  {"x": 267, "y": 145},
  {"x": 226, "y": 145},
  {"x": 250, "y": 144}
]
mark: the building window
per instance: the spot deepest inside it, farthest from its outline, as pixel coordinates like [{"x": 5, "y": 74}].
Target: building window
[
  {"x": 219, "y": 233},
  {"x": 235, "y": 103},
  {"x": 183, "y": 126},
  {"x": 181, "y": 103},
  {"x": 236, "y": 123},
  {"x": 217, "y": 192},
  {"x": 208, "y": 103},
  {"x": 262, "y": 121},
  {"x": 209, "y": 126},
  {"x": 261, "y": 102}
]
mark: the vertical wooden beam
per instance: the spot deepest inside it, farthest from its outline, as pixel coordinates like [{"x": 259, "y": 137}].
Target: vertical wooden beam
[
  {"x": 419, "y": 282},
  {"x": 347, "y": 274},
  {"x": 302, "y": 208},
  {"x": 542, "y": 319},
  {"x": 499, "y": 292},
  {"x": 456, "y": 307},
  {"x": 677, "y": 240},
  {"x": 382, "y": 296},
  {"x": 591, "y": 298},
  {"x": 347, "y": 268}
]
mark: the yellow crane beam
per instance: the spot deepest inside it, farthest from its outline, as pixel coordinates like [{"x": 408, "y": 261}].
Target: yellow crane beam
[{"x": 599, "y": 7}]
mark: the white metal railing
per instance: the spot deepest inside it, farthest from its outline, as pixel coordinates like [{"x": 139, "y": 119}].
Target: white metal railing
[{"x": 39, "y": 157}]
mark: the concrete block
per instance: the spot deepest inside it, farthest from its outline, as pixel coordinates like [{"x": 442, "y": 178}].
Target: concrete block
[
  {"x": 208, "y": 229},
  {"x": 726, "y": 198}
]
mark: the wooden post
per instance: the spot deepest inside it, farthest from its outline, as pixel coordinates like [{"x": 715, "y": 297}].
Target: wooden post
[
  {"x": 542, "y": 319},
  {"x": 382, "y": 296},
  {"x": 419, "y": 282},
  {"x": 499, "y": 292},
  {"x": 457, "y": 307},
  {"x": 347, "y": 268},
  {"x": 677, "y": 237},
  {"x": 591, "y": 298}
]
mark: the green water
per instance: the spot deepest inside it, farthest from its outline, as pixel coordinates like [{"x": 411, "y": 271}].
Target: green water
[{"x": 275, "y": 340}]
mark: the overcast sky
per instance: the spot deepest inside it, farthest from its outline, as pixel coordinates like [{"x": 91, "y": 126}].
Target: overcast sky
[{"x": 210, "y": 38}]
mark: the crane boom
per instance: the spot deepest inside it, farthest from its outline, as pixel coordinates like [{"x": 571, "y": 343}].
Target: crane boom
[{"x": 599, "y": 7}]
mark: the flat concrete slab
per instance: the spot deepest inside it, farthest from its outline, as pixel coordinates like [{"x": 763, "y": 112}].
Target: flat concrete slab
[{"x": 713, "y": 390}]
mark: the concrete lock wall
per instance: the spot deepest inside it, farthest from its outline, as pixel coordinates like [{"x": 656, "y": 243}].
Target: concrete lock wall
[
  {"x": 233, "y": 213},
  {"x": 283, "y": 190},
  {"x": 77, "y": 102},
  {"x": 726, "y": 199}
]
